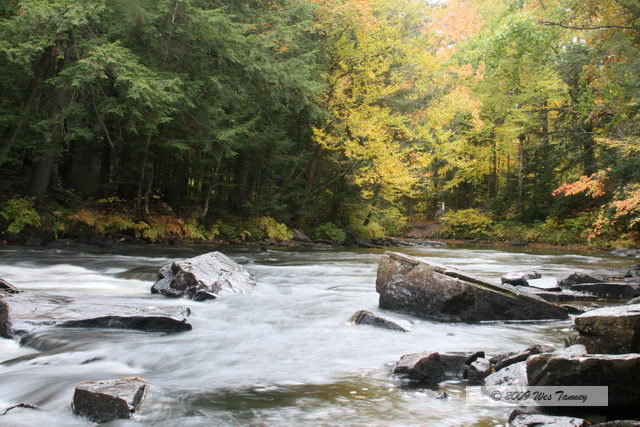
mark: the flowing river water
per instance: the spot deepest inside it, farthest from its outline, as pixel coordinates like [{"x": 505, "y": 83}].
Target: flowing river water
[{"x": 282, "y": 356}]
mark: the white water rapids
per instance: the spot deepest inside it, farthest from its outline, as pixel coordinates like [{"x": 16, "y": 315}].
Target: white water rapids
[{"x": 284, "y": 355}]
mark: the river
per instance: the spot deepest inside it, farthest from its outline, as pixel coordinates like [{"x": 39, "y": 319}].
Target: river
[{"x": 282, "y": 356}]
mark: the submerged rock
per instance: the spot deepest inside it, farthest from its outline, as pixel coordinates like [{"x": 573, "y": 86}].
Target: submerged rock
[
  {"x": 520, "y": 278},
  {"x": 5, "y": 325},
  {"x": 102, "y": 401},
  {"x": 364, "y": 317},
  {"x": 618, "y": 372},
  {"x": 612, "y": 330},
  {"x": 410, "y": 285},
  {"x": 141, "y": 323},
  {"x": 203, "y": 277},
  {"x": 7, "y": 287},
  {"x": 424, "y": 367}
]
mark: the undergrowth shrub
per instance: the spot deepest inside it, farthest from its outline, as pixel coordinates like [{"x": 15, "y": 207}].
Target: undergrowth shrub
[
  {"x": 18, "y": 214},
  {"x": 330, "y": 231},
  {"x": 465, "y": 224},
  {"x": 266, "y": 227}
]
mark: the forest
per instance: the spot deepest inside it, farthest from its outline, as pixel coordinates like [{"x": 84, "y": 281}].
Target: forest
[{"x": 245, "y": 119}]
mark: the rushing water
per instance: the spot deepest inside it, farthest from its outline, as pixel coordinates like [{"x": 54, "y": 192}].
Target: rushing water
[{"x": 284, "y": 355}]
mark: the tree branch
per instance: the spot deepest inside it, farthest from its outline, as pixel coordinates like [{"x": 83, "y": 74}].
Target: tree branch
[{"x": 598, "y": 27}]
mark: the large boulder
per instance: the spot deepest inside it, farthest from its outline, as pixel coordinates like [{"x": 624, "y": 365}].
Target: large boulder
[
  {"x": 4, "y": 319},
  {"x": 102, "y": 401},
  {"x": 619, "y": 373},
  {"x": 203, "y": 277},
  {"x": 613, "y": 330},
  {"x": 410, "y": 285},
  {"x": 364, "y": 317},
  {"x": 141, "y": 323}
]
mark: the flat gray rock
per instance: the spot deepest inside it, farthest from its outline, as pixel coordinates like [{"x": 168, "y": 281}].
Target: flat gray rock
[
  {"x": 512, "y": 375},
  {"x": 203, "y": 277},
  {"x": 140, "y": 323},
  {"x": 413, "y": 286},
  {"x": 520, "y": 278},
  {"x": 102, "y": 401},
  {"x": 609, "y": 290},
  {"x": 35, "y": 311},
  {"x": 532, "y": 417},
  {"x": 612, "y": 330},
  {"x": 546, "y": 283}
]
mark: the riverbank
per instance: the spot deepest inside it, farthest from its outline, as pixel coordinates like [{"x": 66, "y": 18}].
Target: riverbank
[{"x": 111, "y": 221}]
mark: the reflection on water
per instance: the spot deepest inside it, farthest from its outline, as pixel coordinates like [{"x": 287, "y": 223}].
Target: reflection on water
[{"x": 282, "y": 356}]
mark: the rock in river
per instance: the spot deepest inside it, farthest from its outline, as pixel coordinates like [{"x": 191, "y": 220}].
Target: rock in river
[
  {"x": 364, "y": 317},
  {"x": 141, "y": 323},
  {"x": 520, "y": 278},
  {"x": 609, "y": 290},
  {"x": 4, "y": 319},
  {"x": 610, "y": 330},
  {"x": 532, "y": 417},
  {"x": 102, "y": 401},
  {"x": 203, "y": 277},
  {"x": 410, "y": 285},
  {"x": 7, "y": 287},
  {"x": 424, "y": 367},
  {"x": 619, "y": 373}
]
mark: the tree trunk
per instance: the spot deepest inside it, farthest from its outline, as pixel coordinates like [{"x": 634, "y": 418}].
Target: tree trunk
[
  {"x": 588, "y": 150},
  {"x": 41, "y": 175},
  {"x": 141, "y": 178},
  {"x": 521, "y": 154}
]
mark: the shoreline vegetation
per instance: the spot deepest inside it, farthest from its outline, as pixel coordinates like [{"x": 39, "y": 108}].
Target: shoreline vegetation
[{"x": 108, "y": 222}]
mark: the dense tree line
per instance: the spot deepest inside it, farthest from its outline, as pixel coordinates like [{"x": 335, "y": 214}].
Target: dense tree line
[{"x": 361, "y": 113}]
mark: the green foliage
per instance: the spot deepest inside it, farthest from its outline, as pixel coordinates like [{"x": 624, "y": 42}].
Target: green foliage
[
  {"x": 267, "y": 227},
  {"x": 371, "y": 231},
  {"x": 465, "y": 224},
  {"x": 19, "y": 214},
  {"x": 330, "y": 231}
]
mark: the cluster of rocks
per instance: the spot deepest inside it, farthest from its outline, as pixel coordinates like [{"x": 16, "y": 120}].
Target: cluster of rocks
[
  {"x": 579, "y": 286},
  {"x": 606, "y": 351},
  {"x": 204, "y": 277}
]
